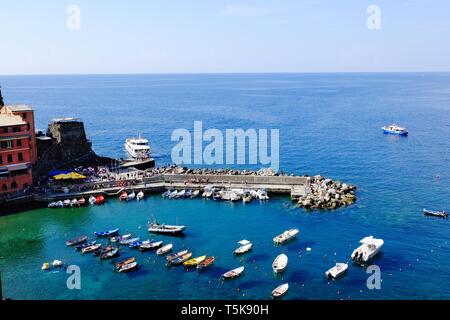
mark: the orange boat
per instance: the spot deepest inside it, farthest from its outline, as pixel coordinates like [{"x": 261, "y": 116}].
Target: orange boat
[
  {"x": 123, "y": 196},
  {"x": 124, "y": 263},
  {"x": 100, "y": 200}
]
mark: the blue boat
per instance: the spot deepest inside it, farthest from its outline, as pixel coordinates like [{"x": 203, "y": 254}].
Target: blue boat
[
  {"x": 136, "y": 244},
  {"x": 85, "y": 245},
  {"x": 107, "y": 234},
  {"x": 394, "y": 129}
]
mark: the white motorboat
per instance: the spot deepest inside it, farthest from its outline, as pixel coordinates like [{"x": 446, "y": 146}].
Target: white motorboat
[
  {"x": 338, "y": 270},
  {"x": 233, "y": 273},
  {"x": 234, "y": 196},
  {"x": 57, "y": 264},
  {"x": 140, "y": 196},
  {"x": 262, "y": 195},
  {"x": 74, "y": 203},
  {"x": 208, "y": 191},
  {"x": 280, "y": 263},
  {"x": 394, "y": 129},
  {"x": 165, "y": 229},
  {"x": 247, "y": 197},
  {"x": 173, "y": 194},
  {"x": 121, "y": 238},
  {"x": 195, "y": 194},
  {"x": 180, "y": 194},
  {"x": 163, "y": 250},
  {"x": 368, "y": 249},
  {"x": 67, "y": 203},
  {"x": 280, "y": 291},
  {"x": 245, "y": 247},
  {"x": 137, "y": 148},
  {"x": 166, "y": 194},
  {"x": 286, "y": 236},
  {"x": 131, "y": 196},
  {"x": 92, "y": 200},
  {"x": 52, "y": 205},
  {"x": 225, "y": 195}
]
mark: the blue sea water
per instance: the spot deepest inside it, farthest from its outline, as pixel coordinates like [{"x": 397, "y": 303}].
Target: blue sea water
[{"x": 329, "y": 124}]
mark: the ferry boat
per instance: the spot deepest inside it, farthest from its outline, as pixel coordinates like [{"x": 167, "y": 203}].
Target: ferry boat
[
  {"x": 394, "y": 129},
  {"x": 137, "y": 148},
  {"x": 368, "y": 249}
]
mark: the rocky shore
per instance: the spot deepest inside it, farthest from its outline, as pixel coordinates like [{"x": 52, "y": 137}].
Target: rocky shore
[{"x": 327, "y": 194}]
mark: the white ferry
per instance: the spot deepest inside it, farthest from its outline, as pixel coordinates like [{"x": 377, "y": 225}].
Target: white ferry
[{"x": 137, "y": 148}]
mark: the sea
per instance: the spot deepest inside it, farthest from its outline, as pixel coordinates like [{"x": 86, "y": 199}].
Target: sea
[{"x": 330, "y": 124}]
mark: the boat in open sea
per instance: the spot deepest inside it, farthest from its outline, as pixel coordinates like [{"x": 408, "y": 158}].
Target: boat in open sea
[
  {"x": 337, "y": 271},
  {"x": 123, "y": 263},
  {"x": 245, "y": 246},
  {"x": 440, "y": 214},
  {"x": 181, "y": 259},
  {"x": 107, "y": 234},
  {"x": 129, "y": 267},
  {"x": 394, "y": 129},
  {"x": 286, "y": 236},
  {"x": 280, "y": 291},
  {"x": 280, "y": 263},
  {"x": 164, "y": 250},
  {"x": 165, "y": 229},
  {"x": 150, "y": 245},
  {"x": 77, "y": 241},
  {"x": 233, "y": 273},
  {"x": 368, "y": 249},
  {"x": 138, "y": 148}
]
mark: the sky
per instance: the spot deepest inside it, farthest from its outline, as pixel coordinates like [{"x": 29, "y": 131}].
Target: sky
[{"x": 222, "y": 36}]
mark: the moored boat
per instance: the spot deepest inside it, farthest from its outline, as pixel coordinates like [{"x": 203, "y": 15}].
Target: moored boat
[
  {"x": 127, "y": 241},
  {"x": 262, "y": 195},
  {"x": 440, "y": 214},
  {"x": 181, "y": 259},
  {"x": 247, "y": 197},
  {"x": 165, "y": 229},
  {"x": 163, "y": 250},
  {"x": 57, "y": 263},
  {"x": 104, "y": 250},
  {"x": 195, "y": 194},
  {"x": 107, "y": 234},
  {"x": 180, "y": 194},
  {"x": 131, "y": 196},
  {"x": 173, "y": 256},
  {"x": 76, "y": 241},
  {"x": 368, "y": 249},
  {"x": 120, "y": 238},
  {"x": 84, "y": 245},
  {"x": 125, "y": 262},
  {"x": 194, "y": 262},
  {"x": 245, "y": 247},
  {"x": 280, "y": 263},
  {"x": 129, "y": 267},
  {"x": 188, "y": 193},
  {"x": 286, "y": 236},
  {"x": 140, "y": 196},
  {"x": 74, "y": 203},
  {"x": 138, "y": 244},
  {"x": 110, "y": 254},
  {"x": 233, "y": 273},
  {"x": 338, "y": 270},
  {"x": 92, "y": 200},
  {"x": 99, "y": 200},
  {"x": 150, "y": 245},
  {"x": 173, "y": 194},
  {"x": 91, "y": 248},
  {"x": 52, "y": 205},
  {"x": 166, "y": 194},
  {"x": 66, "y": 203},
  {"x": 394, "y": 129},
  {"x": 123, "y": 196},
  {"x": 82, "y": 202},
  {"x": 205, "y": 263},
  {"x": 280, "y": 291}
]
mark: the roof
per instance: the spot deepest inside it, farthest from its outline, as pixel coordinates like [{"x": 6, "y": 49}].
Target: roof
[
  {"x": 19, "y": 107},
  {"x": 7, "y": 120},
  {"x": 59, "y": 120}
]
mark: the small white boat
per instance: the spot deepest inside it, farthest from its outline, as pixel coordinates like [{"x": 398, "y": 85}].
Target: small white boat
[
  {"x": 245, "y": 247},
  {"x": 208, "y": 191},
  {"x": 234, "y": 196},
  {"x": 128, "y": 267},
  {"x": 165, "y": 229},
  {"x": 368, "y": 249},
  {"x": 173, "y": 194},
  {"x": 163, "y": 250},
  {"x": 247, "y": 197},
  {"x": 140, "y": 196},
  {"x": 262, "y": 195},
  {"x": 338, "y": 270},
  {"x": 394, "y": 129},
  {"x": 45, "y": 266},
  {"x": 280, "y": 263},
  {"x": 233, "y": 273},
  {"x": 195, "y": 194},
  {"x": 127, "y": 241},
  {"x": 166, "y": 194},
  {"x": 286, "y": 236},
  {"x": 440, "y": 214},
  {"x": 92, "y": 200},
  {"x": 280, "y": 291},
  {"x": 180, "y": 194},
  {"x": 52, "y": 205},
  {"x": 67, "y": 203},
  {"x": 74, "y": 203},
  {"x": 131, "y": 196},
  {"x": 121, "y": 238},
  {"x": 57, "y": 264}
]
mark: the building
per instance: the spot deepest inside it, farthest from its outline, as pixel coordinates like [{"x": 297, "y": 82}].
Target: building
[{"x": 17, "y": 148}]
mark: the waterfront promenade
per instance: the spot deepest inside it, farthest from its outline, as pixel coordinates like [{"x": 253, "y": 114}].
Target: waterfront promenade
[{"x": 289, "y": 185}]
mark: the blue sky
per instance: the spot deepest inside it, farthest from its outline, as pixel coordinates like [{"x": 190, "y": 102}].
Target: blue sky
[{"x": 179, "y": 36}]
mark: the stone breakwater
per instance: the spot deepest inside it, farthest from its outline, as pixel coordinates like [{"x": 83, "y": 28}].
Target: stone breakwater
[{"x": 327, "y": 194}]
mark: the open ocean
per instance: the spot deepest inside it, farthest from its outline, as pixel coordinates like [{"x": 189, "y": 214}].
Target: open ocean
[{"x": 330, "y": 124}]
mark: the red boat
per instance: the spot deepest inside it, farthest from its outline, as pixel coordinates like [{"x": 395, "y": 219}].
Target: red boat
[
  {"x": 123, "y": 196},
  {"x": 205, "y": 263},
  {"x": 100, "y": 200}
]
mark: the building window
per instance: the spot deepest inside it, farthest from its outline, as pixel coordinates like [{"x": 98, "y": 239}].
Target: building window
[
  {"x": 28, "y": 126},
  {"x": 5, "y": 130},
  {"x": 16, "y": 129},
  {"x": 10, "y": 158},
  {"x": 1, "y": 159},
  {"x": 19, "y": 143},
  {"x": 20, "y": 157},
  {"x": 9, "y": 144},
  {"x": 4, "y": 187},
  {"x": 24, "y": 115},
  {"x": 3, "y": 145},
  {"x": 13, "y": 185}
]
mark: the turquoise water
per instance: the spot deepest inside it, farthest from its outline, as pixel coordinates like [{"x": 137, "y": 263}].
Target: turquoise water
[{"x": 329, "y": 124}]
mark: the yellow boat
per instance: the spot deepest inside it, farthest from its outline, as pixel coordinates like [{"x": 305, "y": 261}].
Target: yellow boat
[{"x": 194, "y": 261}]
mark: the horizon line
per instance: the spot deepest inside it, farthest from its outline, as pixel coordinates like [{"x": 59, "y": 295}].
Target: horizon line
[{"x": 215, "y": 73}]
